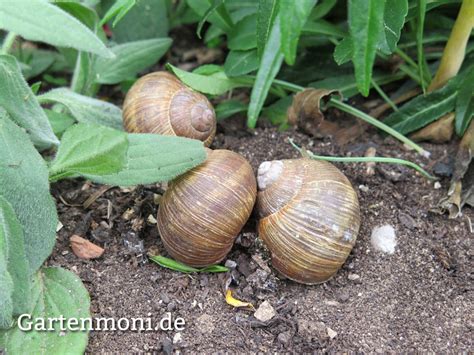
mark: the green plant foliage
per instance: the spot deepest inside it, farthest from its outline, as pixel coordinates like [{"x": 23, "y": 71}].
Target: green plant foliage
[
  {"x": 422, "y": 64},
  {"x": 217, "y": 5},
  {"x": 36, "y": 60},
  {"x": 394, "y": 19},
  {"x": 131, "y": 58},
  {"x": 56, "y": 293},
  {"x": 89, "y": 149},
  {"x": 220, "y": 17},
  {"x": 293, "y": 16},
  {"x": 28, "y": 19},
  {"x": 465, "y": 103},
  {"x": 117, "y": 11},
  {"x": 177, "y": 266},
  {"x": 59, "y": 121},
  {"x": 85, "y": 109},
  {"x": 241, "y": 62},
  {"x": 83, "y": 13},
  {"x": 267, "y": 11},
  {"x": 229, "y": 108},
  {"x": 242, "y": 36},
  {"x": 152, "y": 158},
  {"x": 24, "y": 182},
  {"x": 14, "y": 270},
  {"x": 322, "y": 27},
  {"x": 19, "y": 101},
  {"x": 366, "y": 26}
]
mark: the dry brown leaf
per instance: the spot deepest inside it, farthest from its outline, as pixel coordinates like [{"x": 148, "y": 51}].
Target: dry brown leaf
[
  {"x": 305, "y": 111},
  {"x": 85, "y": 249},
  {"x": 439, "y": 131},
  {"x": 235, "y": 302}
]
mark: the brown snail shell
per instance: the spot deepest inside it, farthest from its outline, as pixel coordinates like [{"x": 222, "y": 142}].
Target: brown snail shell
[
  {"x": 203, "y": 210},
  {"x": 308, "y": 217},
  {"x": 160, "y": 103}
]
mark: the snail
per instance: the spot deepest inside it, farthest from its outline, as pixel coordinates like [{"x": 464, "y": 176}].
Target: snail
[
  {"x": 308, "y": 217},
  {"x": 160, "y": 103},
  {"x": 202, "y": 211}
]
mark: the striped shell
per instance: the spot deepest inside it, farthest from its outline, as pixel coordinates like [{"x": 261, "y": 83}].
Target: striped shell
[
  {"x": 160, "y": 103},
  {"x": 308, "y": 217},
  {"x": 203, "y": 210}
]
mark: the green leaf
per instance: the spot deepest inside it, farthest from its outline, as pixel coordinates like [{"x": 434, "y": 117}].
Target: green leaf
[
  {"x": 343, "y": 51},
  {"x": 215, "y": 84},
  {"x": 322, "y": 27},
  {"x": 83, "y": 77},
  {"x": 59, "y": 121},
  {"x": 57, "y": 293},
  {"x": 215, "y": 4},
  {"x": 131, "y": 58},
  {"x": 177, "y": 266},
  {"x": 423, "y": 70},
  {"x": 465, "y": 103},
  {"x": 118, "y": 10},
  {"x": 322, "y": 9},
  {"x": 267, "y": 11},
  {"x": 269, "y": 67},
  {"x": 229, "y": 108},
  {"x": 277, "y": 113},
  {"x": 85, "y": 109},
  {"x": 242, "y": 37},
  {"x": 19, "y": 101},
  {"x": 14, "y": 270},
  {"x": 146, "y": 20},
  {"x": 424, "y": 109},
  {"x": 81, "y": 12},
  {"x": 241, "y": 62},
  {"x": 89, "y": 149},
  {"x": 293, "y": 15},
  {"x": 220, "y": 17},
  {"x": 38, "y": 20},
  {"x": 394, "y": 19},
  {"x": 37, "y": 60},
  {"x": 152, "y": 158},
  {"x": 24, "y": 184},
  {"x": 366, "y": 27}
]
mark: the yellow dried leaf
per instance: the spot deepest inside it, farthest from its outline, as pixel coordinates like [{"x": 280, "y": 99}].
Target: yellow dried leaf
[{"x": 235, "y": 302}]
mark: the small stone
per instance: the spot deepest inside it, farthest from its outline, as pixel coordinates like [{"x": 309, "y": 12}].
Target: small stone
[
  {"x": 353, "y": 277},
  {"x": 407, "y": 220},
  {"x": 437, "y": 185},
  {"x": 231, "y": 264},
  {"x": 363, "y": 188},
  {"x": 265, "y": 312},
  {"x": 383, "y": 239},
  {"x": 205, "y": 323},
  {"x": 167, "y": 346},
  {"x": 284, "y": 337},
  {"x": 171, "y": 306},
  {"x": 331, "y": 333},
  {"x": 258, "y": 277},
  {"x": 85, "y": 249},
  {"x": 151, "y": 219},
  {"x": 312, "y": 330},
  {"x": 165, "y": 298},
  {"x": 177, "y": 338}
]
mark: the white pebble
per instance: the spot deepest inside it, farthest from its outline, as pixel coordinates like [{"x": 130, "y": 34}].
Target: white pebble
[
  {"x": 363, "y": 188},
  {"x": 437, "y": 185},
  {"x": 265, "y": 312},
  {"x": 177, "y": 338},
  {"x": 383, "y": 239}
]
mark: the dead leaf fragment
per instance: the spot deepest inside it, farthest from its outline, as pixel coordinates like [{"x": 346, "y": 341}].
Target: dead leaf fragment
[
  {"x": 235, "y": 302},
  {"x": 85, "y": 249},
  {"x": 439, "y": 131}
]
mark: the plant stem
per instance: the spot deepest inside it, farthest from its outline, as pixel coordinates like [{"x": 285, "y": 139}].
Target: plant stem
[
  {"x": 406, "y": 58},
  {"x": 384, "y": 95},
  {"x": 366, "y": 160},
  {"x": 8, "y": 42}
]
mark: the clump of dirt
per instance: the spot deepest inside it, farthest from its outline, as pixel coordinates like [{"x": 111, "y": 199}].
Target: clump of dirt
[{"x": 419, "y": 298}]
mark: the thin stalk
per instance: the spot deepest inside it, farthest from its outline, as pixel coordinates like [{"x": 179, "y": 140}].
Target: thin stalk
[
  {"x": 406, "y": 58},
  {"x": 8, "y": 42},
  {"x": 366, "y": 160},
  {"x": 384, "y": 95}
]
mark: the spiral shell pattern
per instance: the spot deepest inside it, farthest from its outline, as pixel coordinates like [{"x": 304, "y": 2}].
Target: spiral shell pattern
[
  {"x": 308, "y": 217},
  {"x": 203, "y": 210},
  {"x": 160, "y": 103}
]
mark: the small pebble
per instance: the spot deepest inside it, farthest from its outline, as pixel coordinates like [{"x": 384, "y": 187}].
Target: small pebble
[
  {"x": 437, "y": 185},
  {"x": 363, "y": 188},
  {"x": 265, "y": 312},
  {"x": 353, "y": 277},
  {"x": 231, "y": 264},
  {"x": 177, "y": 338},
  {"x": 383, "y": 239},
  {"x": 284, "y": 338},
  {"x": 331, "y": 333}
]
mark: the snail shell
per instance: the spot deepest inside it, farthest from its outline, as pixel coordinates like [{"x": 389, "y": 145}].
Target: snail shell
[
  {"x": 160, "y": 103},
  {"x": 308, "y": 217},
  {"x": 203, "y": 210}
]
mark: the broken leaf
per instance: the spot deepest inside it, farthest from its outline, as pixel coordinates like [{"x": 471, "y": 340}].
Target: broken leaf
[
  {"x": 439, "y": 131},
  {"x": 235, "y": 302},
  {"x": 85, "y": 249}
]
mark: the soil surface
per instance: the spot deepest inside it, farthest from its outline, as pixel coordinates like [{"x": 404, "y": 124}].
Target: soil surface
[{"x": 419, "y": 298}]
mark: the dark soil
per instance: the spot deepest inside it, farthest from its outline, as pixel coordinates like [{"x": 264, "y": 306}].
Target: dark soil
[{"x": 419, "y": 298}]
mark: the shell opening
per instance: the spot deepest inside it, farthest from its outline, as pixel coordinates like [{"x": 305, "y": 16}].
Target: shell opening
[{"x": 268, "y": 173}]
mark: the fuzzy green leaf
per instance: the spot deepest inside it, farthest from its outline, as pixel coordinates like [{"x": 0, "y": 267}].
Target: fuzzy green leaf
[
  {"x": 269, "y": 67},
  {"x": 19, "y": 101},
  {"x": 293, "y": 15},
  {"x": 89, "y": 149},
  {"x": 131, "y": 58},
  {"x": 152, "y": 158},
  {"x": 266, "y": 13},
  {"x": 118, "y": 10},
  {"x": 56, "y": 293},
  {"x": 38, "y": 20},
  {"x": 59, "y": 121},
  {"x": 24, "y": 184},
  {"x": 241, "y": 62},
  {"x": 465, "y": 103},
  {"x": 366, "y": 27},
  {"x": 85, "y": 109}
]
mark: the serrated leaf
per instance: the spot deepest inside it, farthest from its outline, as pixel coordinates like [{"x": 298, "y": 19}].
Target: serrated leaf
[
  {"x": 19, "y": 101},
  {"x": 266, "y": 13},
  {"x": 424, "y": 109},
  {"x": 293, "y": 15},
  {"x": 57, "y": 293},
  {"x": 85, "y": 109},
  {"x": 242, "y": 37},
  {"x": 118, "y": 10},
  {"x": 24, "y": 184},
  {"x": 215, "y": 84},
  {"x": 228, "y": 108},
  {"x": 14, "y": 271},
  {"x": 269, "y": 67},
  {"x": 366, "y": 28},
  {"x": 89, "y": 149},
  {"x": 241, "y": 62},
  {"x": 464, "y": 103},
  {"x": 38, "y": 20},
  {"x": 152, "y": 158},
  {"x": 131, "y": 58}
]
